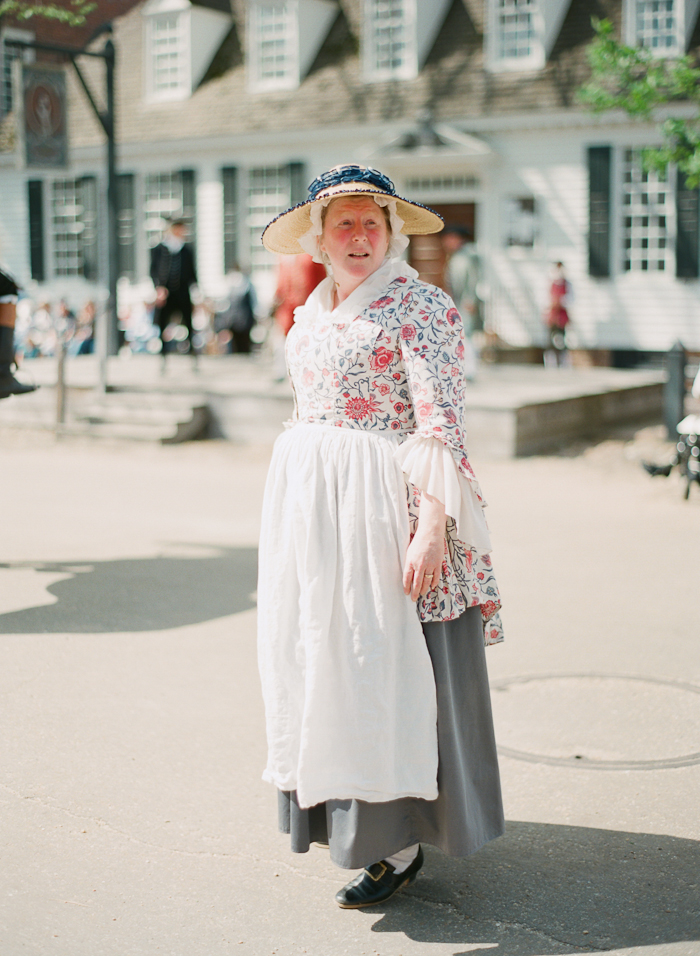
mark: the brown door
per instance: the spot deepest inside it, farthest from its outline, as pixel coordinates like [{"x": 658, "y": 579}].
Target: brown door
[{"x": 426, "y": 253}]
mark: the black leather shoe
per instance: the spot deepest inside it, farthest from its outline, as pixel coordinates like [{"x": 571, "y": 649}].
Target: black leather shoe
[{"x": 376, "y": 884}]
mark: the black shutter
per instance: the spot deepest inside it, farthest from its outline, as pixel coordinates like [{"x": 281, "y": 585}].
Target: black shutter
[
  {"x": 88, "y": 237},
  {"x": 687, "y": 230},
  {"x": 229, "y": 176},
  {"x": 298, "y": 191},
  {"x": 599, "y": 206},
  {"x": 189, "y": 204},
  {"x": 35, "y": 196},
  {"x": 126, "y": 226}
]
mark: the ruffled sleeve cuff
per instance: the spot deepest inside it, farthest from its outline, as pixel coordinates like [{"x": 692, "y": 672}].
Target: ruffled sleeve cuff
[{"x": 430, "y": 466}]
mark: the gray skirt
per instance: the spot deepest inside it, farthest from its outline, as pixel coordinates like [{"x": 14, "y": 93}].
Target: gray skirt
[{"x": 468, "y": 811}]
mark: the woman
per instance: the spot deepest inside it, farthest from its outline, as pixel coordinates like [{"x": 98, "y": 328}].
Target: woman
[
  {"x": 558, "y": 314},
  {"x": 376, "y": 592}
]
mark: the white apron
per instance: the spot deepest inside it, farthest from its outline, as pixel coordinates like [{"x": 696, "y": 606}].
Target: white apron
[{"x": 347, "y": 680}]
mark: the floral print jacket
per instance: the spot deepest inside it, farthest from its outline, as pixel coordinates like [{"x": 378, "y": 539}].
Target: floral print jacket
[{"x": 397, "y": 366}]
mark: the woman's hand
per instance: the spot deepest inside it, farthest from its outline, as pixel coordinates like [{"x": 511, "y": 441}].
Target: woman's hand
[{"x": 426, "y": 552}]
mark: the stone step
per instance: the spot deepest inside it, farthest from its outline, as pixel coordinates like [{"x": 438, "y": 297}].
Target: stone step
[
  {"x": 131, "y": 431},
  {"x": 156, "y": 416},
  {"x": 124, "y": 412}
]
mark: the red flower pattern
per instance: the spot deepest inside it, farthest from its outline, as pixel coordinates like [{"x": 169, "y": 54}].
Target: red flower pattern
[
  {"x": 359, "y": 407},
  {"x": 380, "y": 359},
  {"x": 424, "y": 411},
  {"x": 406, "y": 349}
]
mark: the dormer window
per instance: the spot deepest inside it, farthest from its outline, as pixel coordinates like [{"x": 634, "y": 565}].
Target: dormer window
[
  {"x": 398, "y": 35},
  {"x": 517, "y": 36},
  {"x": 521, "y": 33},
  {"x": 181, "y": 39},
  {"x": 657, "y": 25},
  {"x": 284, "y": 37},
  {"x": 169, "y": 59},
  {"x": 518, "y": 40},
  {"x": 390, "y": 39},
  {"x": 274, "y": 60},
  {"x": 662, "y": 26}
]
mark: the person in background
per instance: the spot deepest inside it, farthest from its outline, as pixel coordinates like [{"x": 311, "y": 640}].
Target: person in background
[
  {"x": 84, "y": 337},
  {"x": 8, "y": 312},
  {"x": 462, "y": 278},
  {"x": 238, "y": 314},
  {"x": 173, "y": 272},
  {"x": 297, "y": 278},
  {"x": 558, "y": 318}
]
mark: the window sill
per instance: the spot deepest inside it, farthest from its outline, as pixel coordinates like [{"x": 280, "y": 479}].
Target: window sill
[
  {"x": 270, "y": 86},
  {"x": 158, "y": 99}
]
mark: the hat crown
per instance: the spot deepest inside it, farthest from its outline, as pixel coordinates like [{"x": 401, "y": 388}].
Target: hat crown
[{"x": 341, "y": 175}]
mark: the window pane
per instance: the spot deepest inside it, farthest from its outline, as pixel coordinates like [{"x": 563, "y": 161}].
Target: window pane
[
  {"x": 656, "y": 25},
  {"x": 273, "y": 30},
  {"x": 389, "y": 35},
  {"x": 521, "y": 222},
  {"x": 516, "y": 28},
  {"x": 269, "y": 194},
  {"x": 164, "y": 196},
  {"x": 168, "y": 52},
  {"x": 66, "y": 227},
  {"x": 644, "y": 225}
]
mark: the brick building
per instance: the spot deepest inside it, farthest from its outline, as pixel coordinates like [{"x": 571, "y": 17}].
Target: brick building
[{"x": 227, "y": 108}]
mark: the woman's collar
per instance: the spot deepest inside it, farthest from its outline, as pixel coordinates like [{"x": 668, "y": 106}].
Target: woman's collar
[{"x": 320, "y": 302}]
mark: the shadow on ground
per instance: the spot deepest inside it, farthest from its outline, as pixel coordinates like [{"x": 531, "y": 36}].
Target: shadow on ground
[
  {"x": 544, "y": 889},
  {"x": 141, "y": 594}
]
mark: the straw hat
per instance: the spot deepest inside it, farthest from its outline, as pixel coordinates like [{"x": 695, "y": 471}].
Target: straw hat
[{"x": 283, "y": 233}]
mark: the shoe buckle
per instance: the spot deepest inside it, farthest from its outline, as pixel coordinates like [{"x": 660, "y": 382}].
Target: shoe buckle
[{"x": 375, "y": 866}]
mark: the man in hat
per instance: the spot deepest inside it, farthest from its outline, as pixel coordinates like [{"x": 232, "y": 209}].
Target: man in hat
[{"x": 173, "y": 272}]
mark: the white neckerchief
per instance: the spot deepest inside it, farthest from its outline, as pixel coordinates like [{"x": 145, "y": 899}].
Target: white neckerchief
[
  {"x": 173, "y": 245},
  {"x": 318, "y": 307}
]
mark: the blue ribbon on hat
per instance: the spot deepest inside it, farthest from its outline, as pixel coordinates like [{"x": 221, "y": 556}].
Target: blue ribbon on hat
[{"x": 351, "y": 174}]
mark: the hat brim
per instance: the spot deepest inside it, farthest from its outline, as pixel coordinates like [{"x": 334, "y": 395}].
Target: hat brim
[{"x": 283, "y": 233}]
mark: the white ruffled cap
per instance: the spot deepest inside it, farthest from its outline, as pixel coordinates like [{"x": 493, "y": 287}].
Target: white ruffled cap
[
  {"x": 309, "y": 242},
  {"x": 429, "y": 466}
]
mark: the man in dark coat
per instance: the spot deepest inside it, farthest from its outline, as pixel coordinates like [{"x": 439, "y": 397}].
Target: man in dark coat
[
  {"x": 173, "y": 272},
  {"x": 8, "y": 298}
]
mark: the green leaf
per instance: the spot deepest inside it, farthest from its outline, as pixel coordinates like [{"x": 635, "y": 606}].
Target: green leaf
[
  {"x": 73, "y": 15},
  {"x": 633, "y": 80}
]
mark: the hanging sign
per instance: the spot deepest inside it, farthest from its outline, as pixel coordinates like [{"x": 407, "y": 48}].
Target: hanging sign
[{"x": 43, "y": 124}]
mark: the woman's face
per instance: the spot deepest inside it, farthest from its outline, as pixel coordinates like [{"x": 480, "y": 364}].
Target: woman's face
[{"x": 355, "y": 238}]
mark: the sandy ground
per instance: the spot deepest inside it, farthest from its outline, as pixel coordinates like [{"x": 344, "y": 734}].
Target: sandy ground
[{"x": 133, "y": 818}]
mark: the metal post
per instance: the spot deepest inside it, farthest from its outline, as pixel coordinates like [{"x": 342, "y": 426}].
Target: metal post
[
  {"x": 61, "y": 381},
  {"x": 674, "y": 389},
  {"x": 110, "y": 336},
  {"x": 107, "y": 320}
]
